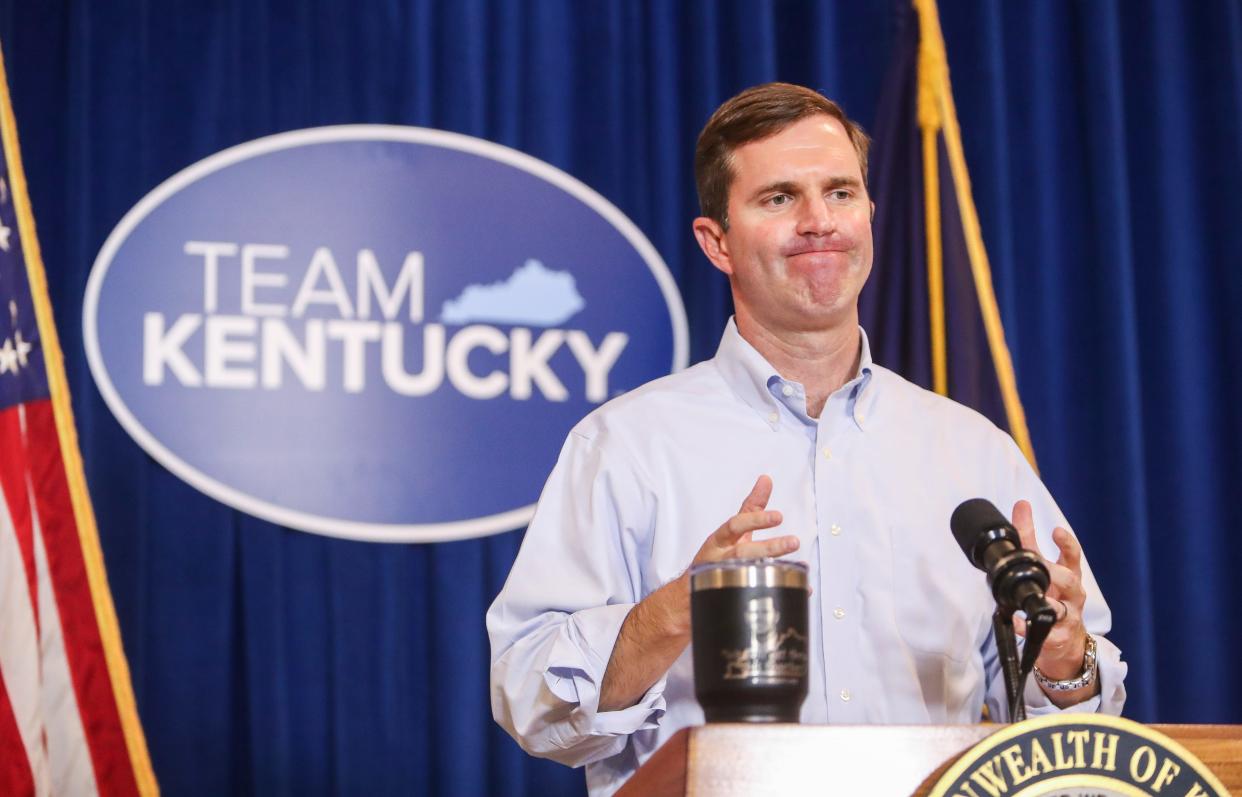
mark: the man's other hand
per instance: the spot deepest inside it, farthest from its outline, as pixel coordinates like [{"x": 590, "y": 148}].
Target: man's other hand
[{"x": 1062, "y": 655}]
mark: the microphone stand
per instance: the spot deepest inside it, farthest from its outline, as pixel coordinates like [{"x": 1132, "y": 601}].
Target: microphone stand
[
  {"x": 1038, "y": 623},
  {"x": 1007, "y": 647}
]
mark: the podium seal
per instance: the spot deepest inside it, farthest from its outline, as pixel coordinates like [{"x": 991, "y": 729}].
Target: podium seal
[{"x": 1078, "y": 755}]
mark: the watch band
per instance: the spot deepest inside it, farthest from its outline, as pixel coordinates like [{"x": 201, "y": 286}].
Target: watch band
[{"x": 1089, "y": 670}]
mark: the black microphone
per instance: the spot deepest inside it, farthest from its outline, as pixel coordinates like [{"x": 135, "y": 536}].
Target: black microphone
[{"x": 1018, "y": 577}]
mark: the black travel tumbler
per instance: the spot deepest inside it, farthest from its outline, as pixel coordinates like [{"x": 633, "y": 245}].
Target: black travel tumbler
[{"x": 748, "y": 622}]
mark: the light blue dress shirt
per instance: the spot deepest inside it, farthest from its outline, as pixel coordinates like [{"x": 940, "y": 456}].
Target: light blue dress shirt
[{"x": 900, "y": 621}]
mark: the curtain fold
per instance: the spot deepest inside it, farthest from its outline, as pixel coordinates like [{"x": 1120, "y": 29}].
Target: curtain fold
[{"x": 1104, "y": 142}]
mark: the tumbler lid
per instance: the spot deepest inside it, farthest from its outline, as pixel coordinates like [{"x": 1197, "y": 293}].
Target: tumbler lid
[{"x": 748, "y": 573}]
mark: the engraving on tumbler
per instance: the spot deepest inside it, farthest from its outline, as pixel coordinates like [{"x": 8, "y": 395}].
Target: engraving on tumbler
[{"x": 773, "y": 654}]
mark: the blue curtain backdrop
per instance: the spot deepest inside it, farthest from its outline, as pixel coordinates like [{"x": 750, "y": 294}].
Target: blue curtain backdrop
[{"x": 1105, "y": 146}]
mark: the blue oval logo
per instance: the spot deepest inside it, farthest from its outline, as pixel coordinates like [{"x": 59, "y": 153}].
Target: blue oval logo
[{"x": 374, "y": 332}]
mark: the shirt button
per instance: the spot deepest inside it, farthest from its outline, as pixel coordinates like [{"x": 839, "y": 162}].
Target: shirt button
[
  {"x": 838, "y": 613},
  {"x": 860, "y": 417},
  {"x": 836, "y": 530},
  {"x": 773, "y": 417},
  {"x": 827, "y": 452},
  {"x": 787, "y": 390},
  {"x": 845, "y": 695}
]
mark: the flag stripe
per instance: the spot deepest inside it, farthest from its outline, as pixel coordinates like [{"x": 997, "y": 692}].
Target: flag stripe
[
  {"x": 83, "y": 646},
  {"x": 19, "y": 659},
  {"x": 13, "y": 468},
  {"x": 70, "y": 770},
  {"x": 15, "y": 775}
]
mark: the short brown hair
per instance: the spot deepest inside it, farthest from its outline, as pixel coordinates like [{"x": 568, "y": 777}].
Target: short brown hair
[{"x": 755, "y": 114}]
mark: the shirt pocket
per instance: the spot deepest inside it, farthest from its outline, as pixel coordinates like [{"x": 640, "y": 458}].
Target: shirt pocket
[
  {"x": 941, "y": 608},
  {"x": 937, "y": 597}
]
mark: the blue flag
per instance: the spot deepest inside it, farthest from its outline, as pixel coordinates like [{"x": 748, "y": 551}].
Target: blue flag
[{"x": 930, "y": 309}]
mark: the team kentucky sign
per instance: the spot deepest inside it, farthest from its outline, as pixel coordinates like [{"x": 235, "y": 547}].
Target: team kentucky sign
[{"x": 373, "y": 332}]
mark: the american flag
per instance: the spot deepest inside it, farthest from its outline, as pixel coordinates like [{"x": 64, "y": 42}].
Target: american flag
[{"x": 68, "y": 722}]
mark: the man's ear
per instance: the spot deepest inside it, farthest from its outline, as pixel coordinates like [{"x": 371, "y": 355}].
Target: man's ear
[
  {"x": 711, "y": 240},
  {"x": 873, "y": 211}
]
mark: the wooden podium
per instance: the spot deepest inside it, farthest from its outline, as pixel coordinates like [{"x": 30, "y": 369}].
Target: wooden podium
[{"x": 881, "y": 761}]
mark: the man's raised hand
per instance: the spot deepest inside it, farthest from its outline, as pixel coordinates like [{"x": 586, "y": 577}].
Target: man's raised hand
[
  {"x": 657, "y": 630},
  {"x": 1061, "y": 657},
  {"x": 735, "y": 537}
]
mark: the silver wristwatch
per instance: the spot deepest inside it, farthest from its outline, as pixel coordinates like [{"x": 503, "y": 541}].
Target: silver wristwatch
[{"x": 1087, "y": 677}]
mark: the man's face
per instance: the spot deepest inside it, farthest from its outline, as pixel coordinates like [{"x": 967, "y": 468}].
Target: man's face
[{"x": 798, "y": 247}]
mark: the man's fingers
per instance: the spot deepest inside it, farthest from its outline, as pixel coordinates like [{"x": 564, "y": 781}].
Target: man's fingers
[
  {"x": 777, "y": 546},
  {"x": 733, "y": 529},
  {"x": 1024, "y": 522},
  {"x": 1066, "y": 572},
  {"x": 734, "y": 538},
  {"x": 1065, "y": 585},
  {"x": 759, "y": 495},
  {"x": 1071, "y": 551},
  {"x": 1019, "y": 625}
]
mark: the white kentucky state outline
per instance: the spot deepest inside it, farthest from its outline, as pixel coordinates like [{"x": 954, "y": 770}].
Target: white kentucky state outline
[{"x": 534, "y": 295}]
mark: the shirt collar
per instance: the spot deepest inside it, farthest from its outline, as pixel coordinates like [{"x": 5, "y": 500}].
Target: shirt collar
[{"x": 753, "y": 379}]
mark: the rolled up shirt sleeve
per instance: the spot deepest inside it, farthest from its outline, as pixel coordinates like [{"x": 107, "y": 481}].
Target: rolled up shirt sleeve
[
  {"x": 545, "y": 690},
  {"x": 554, "y": 624},
  {"x": 1111, "y": 673}
]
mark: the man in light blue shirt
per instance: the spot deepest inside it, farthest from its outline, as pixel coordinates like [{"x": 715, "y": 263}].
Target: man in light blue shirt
[{"x": 791, "y": 441}]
